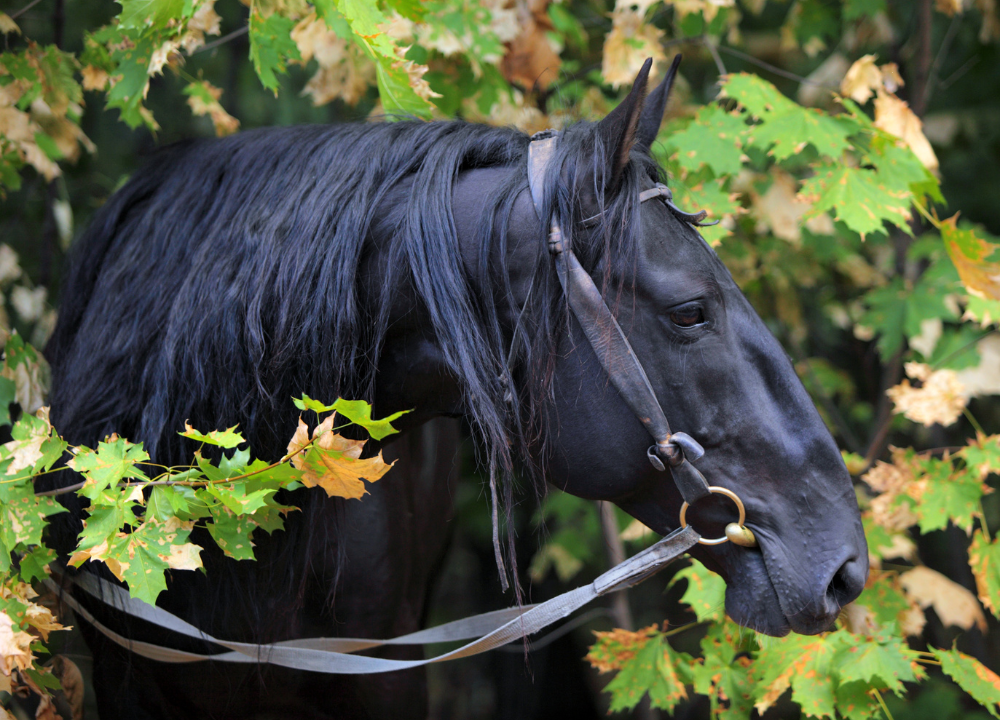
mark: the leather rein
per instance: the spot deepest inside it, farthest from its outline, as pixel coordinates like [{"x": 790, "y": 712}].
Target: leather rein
[{"x": 674, "y": 450}]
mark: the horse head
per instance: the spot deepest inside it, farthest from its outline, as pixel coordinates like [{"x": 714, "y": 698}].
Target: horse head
[{"x": 716, "y": 370}]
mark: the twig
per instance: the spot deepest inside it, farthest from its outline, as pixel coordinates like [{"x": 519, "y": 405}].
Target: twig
[
  {"x": 776, "y": 70},
  {"x": 941, "y": 53},
  {"x": 957, "y": 75},
  {"x": 61, "y": 491},
  {"x": 26, "y": 8},
  {"x": 707, "y": 42},
  {"x": 224, "y": 39}
]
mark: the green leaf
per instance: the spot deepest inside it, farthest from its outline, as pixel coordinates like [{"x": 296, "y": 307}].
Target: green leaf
[
  {"x": 949, "y": 496},
  {"x": 141, "y": 568},
  {"x": 856, "y": 9},
  {"x": 131, "y": 79},
  {"x": 8, "y": 391},
  {"x": 758, "y": 96},
  {"x": 110, "y": 463},
  {"x": 714, "y": 138},
  {"x": 412, "y": 9},
  {"x": 790, "y": 131},
  {"x": 705, "y": 593},
  {"x": 232, "y": 533},
  {"x": 882, "y": 661},
  {"x": 723, "y": 676},
  {"x": 884, "y": 598},
  {"x": 653, "y": 670},
  {"x": 223, "y": 438},
  {"x": 982, "y": 310},
  {"x": 238, "y": 500},
  {"x": 271, "y": 47},
  {"x": 395, "y": 91},
  {"x": 137, "y": 14},
  {"x": 854, "y": 702},
  {"x": 360, "y": 413},
  {"x": 858, "y": 198},
  {"x": 984, "y": 559},
  {"x": 23, "y": 518},
  {"x": 982, "y": 456},
  {"x": 972, "y": 676},
  {"x": 33, "y": 565}
]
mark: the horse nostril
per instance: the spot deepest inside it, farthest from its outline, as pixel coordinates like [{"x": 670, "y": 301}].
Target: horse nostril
[{"x": 847, "y": 583}]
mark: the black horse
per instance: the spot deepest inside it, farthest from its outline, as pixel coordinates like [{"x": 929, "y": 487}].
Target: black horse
[{"x": 392, "y": 262}]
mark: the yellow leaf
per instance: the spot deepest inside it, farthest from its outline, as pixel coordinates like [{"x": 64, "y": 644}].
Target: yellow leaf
[
  {"x": 334, "y": 462},
  {"x": 940, "y": 399},
  {"x": 41, "y": 619},
  {"x": 976, "y": 259},
  {"x": 183, "y": 557},
  {"x": 343, "y": 71},
  {"x": 862, "y": 78},
  {"x": 948, "y": 7},
  {"x": 708, "y": 8},
  {"x": 15, "y": 646},
  {"x": 780, "y": 208},
  {"x": 224, "y": 123},
  {"x": 531, "y": 61},
  {"x": 953, "y": 604},
  {"x": 628, "y": 45},
  {"x": 7, "y": 25},
  {"x": 895, "y": 117}
]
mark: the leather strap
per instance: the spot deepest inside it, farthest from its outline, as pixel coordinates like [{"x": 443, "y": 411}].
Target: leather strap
[
  {"x": 612, "y": 348},
  {"x": 333, "y": 655}
]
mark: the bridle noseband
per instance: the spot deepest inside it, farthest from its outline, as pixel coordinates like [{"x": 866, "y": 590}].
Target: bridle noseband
[{"x": 674, "y": 450}]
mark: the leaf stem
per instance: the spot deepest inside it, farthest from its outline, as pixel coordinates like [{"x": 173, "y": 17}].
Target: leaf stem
[
  {"x": 682, "y": 628},
  {"x": 971, "y": 419},
  {"x": 982, "y": 521},
  {"x": 881, "y": 702}
]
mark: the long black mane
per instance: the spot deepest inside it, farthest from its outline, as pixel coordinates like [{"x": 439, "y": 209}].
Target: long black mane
[{"x": 227, "y": 276}]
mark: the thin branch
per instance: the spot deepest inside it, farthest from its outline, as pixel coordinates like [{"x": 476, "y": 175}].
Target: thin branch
[
  {"x": 26, "y": 8},
  {"x": 222, "y": 40},
  {"x": 707, "y": 42},
  {"x": 776, "y": 70},
  {"x": 957, "y": 75},
  {"x": 941, "y": 54},
  {"x": 61, "y": 491}
]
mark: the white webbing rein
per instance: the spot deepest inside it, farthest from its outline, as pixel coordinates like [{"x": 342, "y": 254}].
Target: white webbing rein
[{"x": 334, "y": 655}]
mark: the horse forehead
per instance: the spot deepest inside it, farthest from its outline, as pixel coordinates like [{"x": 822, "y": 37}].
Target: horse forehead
[{"x": 666, "y": 244}]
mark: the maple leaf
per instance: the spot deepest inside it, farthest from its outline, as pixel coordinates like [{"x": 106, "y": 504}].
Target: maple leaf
[
  {"x": 222, "y": 438},
  {"x": 861, "y": 80},
  {"x": 982, "y": 455},
  {"x": 653, "y": 668},
  {"x": 790, "y": 131},
  {"x": 976, "y": 259},
  {"x": 759, "y": 97},
  {"x": 15, "y": 646},
  {"x": 714, "y": 138},
  {"x": 858, "y": 197},
  {"x": 878, "y": 660},
  {"x": 939, "y": 400},
  {"x": 895, "y": 117},
  {"x": 984, "y": 559},
  {"x": 972, "y": 676},
  {"x": 616, "y": 647},
  {"x": 114, "y": 460},
  {"x": 203, "y": 99},
  {"x": 342, "y": 69},
  {"x": 705, "y": 593},
  {"x": 953, "y": 604},
  {"x": 334, "y": 462},
  {"x": 804, "y": 665},
  {"x": 628, "y": 44}
]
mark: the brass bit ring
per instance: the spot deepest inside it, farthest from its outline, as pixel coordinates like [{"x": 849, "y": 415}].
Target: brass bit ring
[{"x": 736, "y": 532}]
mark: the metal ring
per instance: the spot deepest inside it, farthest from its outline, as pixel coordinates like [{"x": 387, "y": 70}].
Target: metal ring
[{"x": 720, "y": 491}]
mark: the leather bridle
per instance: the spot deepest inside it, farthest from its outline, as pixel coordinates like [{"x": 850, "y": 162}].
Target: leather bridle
[{"x": 676, "y": 450}]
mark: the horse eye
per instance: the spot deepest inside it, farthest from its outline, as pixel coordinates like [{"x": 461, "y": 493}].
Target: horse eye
[{"x": 686, "y": 317}]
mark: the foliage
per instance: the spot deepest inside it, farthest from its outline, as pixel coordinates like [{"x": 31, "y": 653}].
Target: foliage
[{"x": 832, "y": 223}]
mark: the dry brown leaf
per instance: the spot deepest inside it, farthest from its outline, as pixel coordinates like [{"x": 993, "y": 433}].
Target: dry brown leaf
[
  {"x": 861, "y": 80},
  {"x": 895, "y": 117},
  {"x": 948, "y": 7},
  {"x": 953, "y": 604},
  {"x": 531, "y": 61},
  {"x": 941, "y": 398},
  {"x": 15, "y": 646},
  {"x": 342, "y": 72},
  {"x": 636, "y": 530},
  {"x": 94, "y": 78},
  {"x": 183, "y": 557},
  {"x": 858, "y": 619},
  {"x": 708, "y": 8},
  {"x": 71, "y": 680},
  {"x": 628, "y": 45},
  {"x": 990, "y": 29},
  {"x": 41, "y": 619},
  {"x": 7, "y": 25},
  {"x": 334, "y": 462},
  {"x": 224, "y": 123},
  {"x": 780, "y": 208}
]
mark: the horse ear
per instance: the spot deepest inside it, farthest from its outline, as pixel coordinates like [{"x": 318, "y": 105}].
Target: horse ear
[
  {"x": 618, "y": 130},
  {"x": 656, "y": 105}
]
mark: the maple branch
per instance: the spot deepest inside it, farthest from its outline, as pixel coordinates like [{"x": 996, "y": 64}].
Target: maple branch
[
  {"x": 26, "y": 8},
  {"x": 223, "y": 40},
  {"x": 772, "y": 68}
]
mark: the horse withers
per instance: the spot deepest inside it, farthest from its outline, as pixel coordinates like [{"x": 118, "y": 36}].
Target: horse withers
[{"x": 407, "y": 263}]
